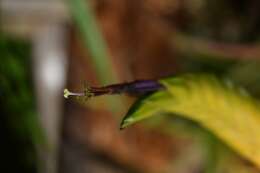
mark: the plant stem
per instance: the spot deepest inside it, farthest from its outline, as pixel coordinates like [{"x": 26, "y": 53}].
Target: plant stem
[{"x": 85, "y": 20}]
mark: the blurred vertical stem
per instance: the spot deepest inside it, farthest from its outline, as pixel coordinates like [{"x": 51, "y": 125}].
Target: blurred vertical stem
[
  {"x": 212, "y": 146},
  {"x": 86, "y": 22}
]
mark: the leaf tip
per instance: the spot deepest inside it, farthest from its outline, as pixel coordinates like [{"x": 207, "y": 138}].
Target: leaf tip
[
  {"x": 121, "y": 128},
  {"x": 127, "y": 121}
]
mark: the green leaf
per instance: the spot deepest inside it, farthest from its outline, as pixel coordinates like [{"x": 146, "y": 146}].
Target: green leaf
[{"x": 225, "y": 110}]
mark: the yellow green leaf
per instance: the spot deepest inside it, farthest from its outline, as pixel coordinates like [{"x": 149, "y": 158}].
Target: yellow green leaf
[{"x": 225, "y": 110}]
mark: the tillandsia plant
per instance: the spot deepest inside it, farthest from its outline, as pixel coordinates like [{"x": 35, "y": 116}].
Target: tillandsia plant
[{"x": 225, "y": 110}]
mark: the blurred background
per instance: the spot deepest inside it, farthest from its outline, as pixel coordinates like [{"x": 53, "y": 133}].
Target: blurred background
[{"x": 49, "y": 45}]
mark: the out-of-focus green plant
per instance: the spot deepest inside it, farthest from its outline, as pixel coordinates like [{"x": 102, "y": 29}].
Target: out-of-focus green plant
[
  {"x": 226, "y": 111},
  {"x": 18, "y": 116},
  {"x": 85, "y": 20}
]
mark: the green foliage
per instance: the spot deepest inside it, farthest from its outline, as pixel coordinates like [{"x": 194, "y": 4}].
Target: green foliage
[
  {"x": 18, "y": 115},
  {"x": 84, "y": 17},
  {"x": 225, "y": 110}
]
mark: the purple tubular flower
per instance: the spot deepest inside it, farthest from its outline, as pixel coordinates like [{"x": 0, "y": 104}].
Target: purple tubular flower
[
  {"x": 133, "y": 88},
  {"x": 143, "y": 86}
]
